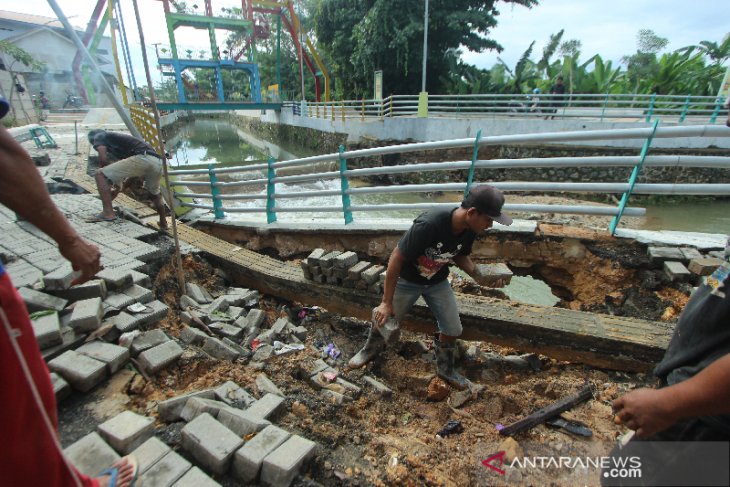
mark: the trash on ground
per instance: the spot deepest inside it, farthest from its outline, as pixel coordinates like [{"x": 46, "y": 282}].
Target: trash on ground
[{"x": 452, "y": 427}]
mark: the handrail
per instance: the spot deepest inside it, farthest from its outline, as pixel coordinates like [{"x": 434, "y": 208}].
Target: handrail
[{"x": 268, "y": 185}]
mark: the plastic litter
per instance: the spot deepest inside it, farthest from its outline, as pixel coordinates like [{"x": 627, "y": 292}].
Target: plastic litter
[
  {"x": 452, "y": 427},
  {"x": 282, "y": 348},
  {"x": 137, "y": 308},
  {"x": 126, "y": 339},
  {"x": 332, "y": 350}
]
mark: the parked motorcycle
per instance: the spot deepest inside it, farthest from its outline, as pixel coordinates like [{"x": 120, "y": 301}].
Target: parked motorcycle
[{"x": 73, "y": 101}]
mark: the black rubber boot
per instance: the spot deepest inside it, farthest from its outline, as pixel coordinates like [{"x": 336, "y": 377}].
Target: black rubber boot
[
  {"x": 445, "y": 358},
  {"x": 374, "y": 345}
]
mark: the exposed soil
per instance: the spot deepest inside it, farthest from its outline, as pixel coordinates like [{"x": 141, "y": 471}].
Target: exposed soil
[{"x": 378, "y": 440}]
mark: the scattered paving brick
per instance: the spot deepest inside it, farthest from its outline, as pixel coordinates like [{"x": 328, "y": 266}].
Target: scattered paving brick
[
  {"x": 240, "y": 422},
  {"x": 216, "y": 348},
  {"x": 82, "y": 372},
  {"x": 147, "y": 340},
  {"x": 248, "y": 459},
  {"x": 704, "y": 266},
  {"x": 47, "y": 330},
  {"x": 234, "y": 395},
  {"x": 211, "y": 443},
  {"x": 170, "y": 409},
  {"x": 126, "y": 431},
  {"x": 159, "y": 357},
  {"x": 116, "y": 279},
  {"x": 61, "y": 389},
  {"x": 91, "y": 289},
  {"x": 283, "y": 464},
  {"x": 196, "y": 478},
  {"x": 112, "y": 355},
  {"x": 267, "y": 407},
  {"x": 149, "y": 453},
  {"x": 39, "y": 301},
  {"x": 166, "y": 471},
  {"x": 87, "y": 315},
  {"x": 676, "y": 271},
  {"x": 60, "y": 278},
  {"x": 88, "y": 453}
]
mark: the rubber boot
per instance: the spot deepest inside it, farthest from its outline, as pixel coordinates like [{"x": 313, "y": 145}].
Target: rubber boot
[
  {"x": 445, "y": 358},
  {"x": 373, "y": 346}
]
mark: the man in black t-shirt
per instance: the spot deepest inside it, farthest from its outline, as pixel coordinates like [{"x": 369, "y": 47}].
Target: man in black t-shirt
[
  {"x": 558, "y": 94},
  {"x": 134, "y": 158},
  {"x": 692, "y": 403},
  {"x": 419, "y": 267}
]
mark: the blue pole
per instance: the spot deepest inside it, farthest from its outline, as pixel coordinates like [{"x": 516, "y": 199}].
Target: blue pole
[
  {"x": 633, "y": 178},
  {"x": 718, "y": 106},
  {"x": 650, "y": 112},
  {"x": 474, "y": 154},
  {"x": 270, "y": 192},
  {"x": 215, "y": 192},
  {"x": 344, "y": 186},
  {"x": 603, "y": 111},
  {"x": 685, "y": 109}
]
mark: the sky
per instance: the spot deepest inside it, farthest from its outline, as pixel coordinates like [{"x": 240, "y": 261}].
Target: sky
[{"x": 605, "y": 27}]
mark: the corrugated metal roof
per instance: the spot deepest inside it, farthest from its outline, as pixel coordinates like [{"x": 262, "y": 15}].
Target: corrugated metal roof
[{"x": 33, "y": 19}]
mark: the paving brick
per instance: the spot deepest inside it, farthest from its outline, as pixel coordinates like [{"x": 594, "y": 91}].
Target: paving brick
[
  {"x": 248, "y": 459},
  {"x": 47, "y": 330},
  {"x": 149, "y": 453},
  {"x": 126, "y": 431},
  {"x": 193, "y": 336},
  {"x": 255, "y": 318},
  {"x": 267, "y": 407},
  {"x": 327, "y": 261},
  {"x": 139, "y": 294},
  {"x": 372, "y": 274},
  {"x": 211, "y": 443},
  {"x": 226, "y": 330},
  {"x": 157, "y": 358},
  {"x": 116, "y": 279},
  {"x": 59, "y": 279},
  {"x": 168, "y": 470},
  {"x": 379, "y": 387},
  {"x": 264, "y": 385},
  {"x": 147, "y": 340},
  {"x": 82, "y": 372},
  {"x": 315, "y": 255},
  {"x": 283, "y": 464},
  {"x": 240, "y": 422},
  {"x": 346, "y": 260},
  {"x": 118, "y": 301},
  {"x": 659, "y": 254},
  {"x": 196, "y": 293},
  {"x": 125, "y": 322},
  {"x": 61, "y": 389},
  {"x": 71, "y": 341},
  {"x": 196, "y": 478},
  {"x": 216, "y": 348},
  {"x": 112, "y": 355},
  {"x": 234, "y": 395},
  {"x": 704, "y": 266},
  {"x": 170, "y": 409},
  {"x": 690, "y": 253},
  {"x": 676, "y": 271},
  {"x": 91, "y": 289},
  {"x": 38, "y": 301},
  {"x": 218, "y": 304},
  {"x": 195, "y": 406},
  {"x": 87, "y": 315},
  {"x": 139, "y": 278},
  {"x": 90, "y": 454}
]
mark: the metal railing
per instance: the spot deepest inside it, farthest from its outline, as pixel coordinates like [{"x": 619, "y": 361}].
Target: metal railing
[
  {"x": 626, "y": 107},
  {"x": 263, "y": 179}
]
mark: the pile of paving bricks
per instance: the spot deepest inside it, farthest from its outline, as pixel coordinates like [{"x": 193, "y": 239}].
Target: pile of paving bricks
[
  {"x": 227, "y": 431},
  {"x": 343, "y": 269},
  {"x": 685, "y": 264}
]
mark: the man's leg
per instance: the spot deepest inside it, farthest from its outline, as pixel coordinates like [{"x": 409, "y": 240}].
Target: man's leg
[
  {"x": 102, "y": 184},
  {"x": 442, "y": 303},
  {"x": 160, "y": 207}
]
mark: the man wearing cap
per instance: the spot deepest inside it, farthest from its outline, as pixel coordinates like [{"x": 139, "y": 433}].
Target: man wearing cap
[
  {"x": 135, "y": 158},
  {"x": 419, "y": 266}
]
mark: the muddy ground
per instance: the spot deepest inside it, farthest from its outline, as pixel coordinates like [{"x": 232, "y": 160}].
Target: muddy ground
[{"x": 376, "y": 440}]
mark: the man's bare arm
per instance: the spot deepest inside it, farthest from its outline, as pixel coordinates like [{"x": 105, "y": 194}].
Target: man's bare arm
[
  {"x": 22, "y": 190},
  {"x": 649, "y": 411},
  {"x": 392, "y": 273}
]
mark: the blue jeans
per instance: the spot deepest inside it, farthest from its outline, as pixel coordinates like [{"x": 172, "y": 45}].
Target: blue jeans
[{"x": 439, "y": 298}]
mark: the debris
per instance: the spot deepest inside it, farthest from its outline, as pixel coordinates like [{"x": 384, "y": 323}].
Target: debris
[
  {"x": 137, "y": 308},
  {"x": 575, "y": 427},
  {"x": 329, "y": 376},
  {"x": 452, "y": 427},
  {"x": 549, "y": 412},
  {"x": 282, "y": 348},
  {"x": 127, "y": 338},
  {"x": 437, "y": 390},
  {"x": 332, "y": 351},
  {"x": 511, "y": 449},
  {"x": 197, "y": 322}
]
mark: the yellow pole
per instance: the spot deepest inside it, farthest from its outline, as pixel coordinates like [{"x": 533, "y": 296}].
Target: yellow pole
[{"x": 112, "y": 22}]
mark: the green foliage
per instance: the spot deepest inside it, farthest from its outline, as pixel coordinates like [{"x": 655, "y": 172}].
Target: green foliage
[
  {"x": 361, "y": 36},
  {"x": 21, "y": 55}
]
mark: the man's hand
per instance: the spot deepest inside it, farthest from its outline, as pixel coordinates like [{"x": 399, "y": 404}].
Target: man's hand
[
  {"x": 382, "y": 313},
  {"x": 84, "y": 257},
  {"x": 645, "y": 411}
]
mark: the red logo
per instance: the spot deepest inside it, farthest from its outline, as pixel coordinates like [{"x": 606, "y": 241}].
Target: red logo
[{"x": 497, "y": 456}]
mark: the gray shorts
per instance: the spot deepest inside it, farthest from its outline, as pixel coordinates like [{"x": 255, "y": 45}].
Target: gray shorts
[{"x": 141, "y": 165}]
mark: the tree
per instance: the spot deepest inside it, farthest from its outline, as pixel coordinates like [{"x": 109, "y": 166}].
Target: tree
[
  {"x": 361, "y": 36},
  {"x": 19, "y": 55},
  {"x": 643, "y": 64}
]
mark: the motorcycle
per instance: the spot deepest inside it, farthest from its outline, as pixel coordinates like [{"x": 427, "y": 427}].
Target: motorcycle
[{"x": 73, "y": 101}]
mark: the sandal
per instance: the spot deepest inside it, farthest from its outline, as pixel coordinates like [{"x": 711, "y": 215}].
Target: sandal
[{"x": 100, "y": 218}]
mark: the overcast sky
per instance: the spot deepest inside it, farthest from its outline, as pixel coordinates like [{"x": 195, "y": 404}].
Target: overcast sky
[{"x": 605, "y": 27}]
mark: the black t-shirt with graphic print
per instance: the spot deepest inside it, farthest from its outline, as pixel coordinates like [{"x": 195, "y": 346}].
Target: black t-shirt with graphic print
[{"x": 429, "y": 245}]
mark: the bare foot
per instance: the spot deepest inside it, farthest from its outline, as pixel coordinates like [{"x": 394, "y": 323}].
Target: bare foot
[
  {"x": 126, "y": 473},
  {"x": 163, "y": 224}
]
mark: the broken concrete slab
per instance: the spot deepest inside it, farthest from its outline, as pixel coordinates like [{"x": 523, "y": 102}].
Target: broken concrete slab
[{"x": 127, "y": 431}]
